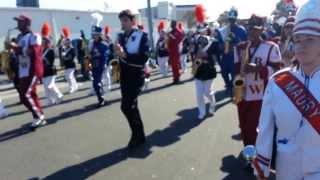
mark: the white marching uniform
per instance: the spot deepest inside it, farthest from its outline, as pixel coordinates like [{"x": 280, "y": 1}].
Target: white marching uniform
[{"x": 298, "y": 143}]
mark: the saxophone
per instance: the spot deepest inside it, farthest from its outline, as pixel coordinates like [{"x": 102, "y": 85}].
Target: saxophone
[
  {"x": 5, "y": 57},
  {"x": 115, "y": 72},
  {"x": 239, "y": 81},
  {"x": 204, "y": 46},
  {"x": 115, "y": 63}
]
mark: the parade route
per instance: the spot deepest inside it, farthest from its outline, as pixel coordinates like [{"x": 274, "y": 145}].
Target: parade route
[{"x": 82, "y": 142}]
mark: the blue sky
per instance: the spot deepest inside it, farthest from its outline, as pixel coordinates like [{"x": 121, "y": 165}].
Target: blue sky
[{"x": 214, "y": 7}]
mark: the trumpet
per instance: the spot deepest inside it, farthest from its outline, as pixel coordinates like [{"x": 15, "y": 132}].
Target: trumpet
[
  {"x": 5, "y": 57},
  {"x": 239, "y": 81},
  {"x": 115, "y": 73}
]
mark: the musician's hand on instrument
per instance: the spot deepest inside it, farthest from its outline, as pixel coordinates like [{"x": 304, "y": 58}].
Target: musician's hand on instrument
[
  {"x": 119, "y": 51},
  {"x": 251, "y": 68},
  {"x": 10, "y": 45}
]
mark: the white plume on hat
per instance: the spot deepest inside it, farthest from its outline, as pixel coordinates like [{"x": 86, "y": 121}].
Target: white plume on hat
[
  {"x": 308, "y": 19},
  {"x": 96, "y": 19}
]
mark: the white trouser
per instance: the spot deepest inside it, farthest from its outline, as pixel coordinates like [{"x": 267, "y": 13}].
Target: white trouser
[
  {"x": 163, "y": 65},
  {"x": 69, "y": 75},
  {"x": 3, "y": 111},
  {"x": 203, "y": 89},
  {"x": 51, "y": 90},
  {"x": 183, "y": 62},
  {"x": 106, "y": 78},
  {"x": 289, "y": 167}
]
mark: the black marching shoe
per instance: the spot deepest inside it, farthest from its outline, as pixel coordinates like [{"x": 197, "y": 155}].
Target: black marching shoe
[{"x": 101, "y": 103}]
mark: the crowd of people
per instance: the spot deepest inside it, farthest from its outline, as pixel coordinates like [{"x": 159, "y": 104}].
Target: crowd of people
[{"x": 270, "y": 70}]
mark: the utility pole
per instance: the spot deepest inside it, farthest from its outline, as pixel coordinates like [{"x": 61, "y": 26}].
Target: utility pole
[{"x": 150, "y": 26}]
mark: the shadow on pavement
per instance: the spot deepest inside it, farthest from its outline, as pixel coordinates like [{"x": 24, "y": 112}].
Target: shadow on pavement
[
  {"x": 64, "y": 115},
  {"x": 160, "y": 138},
  {"x": 234, "y": 167}
]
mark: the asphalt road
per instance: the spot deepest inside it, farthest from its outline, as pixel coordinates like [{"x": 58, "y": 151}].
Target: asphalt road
[{"x": 82, "y": 142}]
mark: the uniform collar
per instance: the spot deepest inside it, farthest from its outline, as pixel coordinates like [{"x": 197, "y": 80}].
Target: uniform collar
[{"x": 315, "y": 72}]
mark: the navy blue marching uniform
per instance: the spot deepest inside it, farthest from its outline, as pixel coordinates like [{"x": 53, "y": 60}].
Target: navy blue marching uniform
[
  {"x": 99, "y": 57},
  {"x": 135, "y": 45}
]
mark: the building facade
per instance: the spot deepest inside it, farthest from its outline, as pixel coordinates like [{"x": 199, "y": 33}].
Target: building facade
[{"x": 28, "y": 3}]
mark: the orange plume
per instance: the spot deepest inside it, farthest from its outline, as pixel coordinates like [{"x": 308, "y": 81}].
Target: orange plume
[
  {"x": 107, "y": 29},
  {"x": 45, "y": 30},
  {"x": 161, "y": 25},
  {"x": 66, "y": 32},
  {"x": 200, "y": 13}
]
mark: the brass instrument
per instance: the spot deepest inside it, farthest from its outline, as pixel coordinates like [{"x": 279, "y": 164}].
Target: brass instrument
[
  {"x": 87, "y": 63},
  {"x": 5, "y": 57},
  {"x": 204, "y": 44},
  {"x": 197, "y": 63},
  {"x": 239, "y": 81},
  {"x": 115, "y": 73}
]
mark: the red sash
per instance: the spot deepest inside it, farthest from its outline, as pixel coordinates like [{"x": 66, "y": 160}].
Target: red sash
[{"x": 301, "y": 97}]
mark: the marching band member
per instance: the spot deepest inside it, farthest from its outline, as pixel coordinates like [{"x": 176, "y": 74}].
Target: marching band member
[
  {"x": 204, "y": 71},
  {"x": 68, "y": 57},
  {"x": 162, "y": 51},
  {"x": 99, "y": 52},
  {"x": 3, "y": 111},
  {"x": 291, "y": 105},
  {"x": 184, "y": 54},
  {"x": 183, "y": 49},
  {"x": 232, "y": 34},
  {"x": 146, "y": 69},
  {"x": 107, "y": 72},
  {"x": 206, "y": 48},
  {"x": 175, "y": 38},
  {"x": 28, "y": 51},
  {"x": 52, "y": 92},
  {"x": 82, "y": 52},
  {"x": 255, "y": 61},
  {"x": 132, "y": 47}
]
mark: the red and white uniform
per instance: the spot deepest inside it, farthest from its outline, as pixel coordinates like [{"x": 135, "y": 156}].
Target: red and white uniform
[
  {"x": 298, "y": 143},
  {"x": 30, "y": 70},
  {"x": 268, "y": 54}
]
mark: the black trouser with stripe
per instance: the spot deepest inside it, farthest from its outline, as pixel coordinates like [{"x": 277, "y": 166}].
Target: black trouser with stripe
[{"x": 131, "y": 82}]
